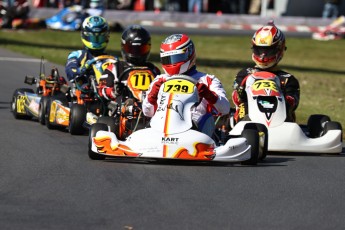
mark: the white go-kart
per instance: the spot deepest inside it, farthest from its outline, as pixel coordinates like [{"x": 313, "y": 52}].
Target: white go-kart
[{"x": 266, "y": 105}]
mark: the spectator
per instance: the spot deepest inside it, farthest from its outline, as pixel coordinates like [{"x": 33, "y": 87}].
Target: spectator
[
  {"x": 173, "y": 5},
  {"x": 255, "y": 7},
  {"x": 195, "y": 6},
  {"x": 331, "y": 9}
]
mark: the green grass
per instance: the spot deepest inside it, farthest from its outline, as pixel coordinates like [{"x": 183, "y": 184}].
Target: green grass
[{"x": 319, "y": 66}]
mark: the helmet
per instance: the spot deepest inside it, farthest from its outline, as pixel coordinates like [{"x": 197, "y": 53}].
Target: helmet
[
  {"x": 268, "y": 45},
  {"x": 177, "y": 54},
  {"x": 95, "y": 33},
  {"x": 135, "y": 44}
]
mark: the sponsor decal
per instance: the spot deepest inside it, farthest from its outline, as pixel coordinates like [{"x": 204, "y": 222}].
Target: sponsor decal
[
  {"x": 104, "y": 146},
  {"x": 174, "y": 105},
  {"x": 21, "y": 104},
  {"x": 170, "y": 140}
]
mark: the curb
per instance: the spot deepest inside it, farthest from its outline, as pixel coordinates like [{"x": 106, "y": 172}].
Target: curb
[{"x": 297, "y": 28}]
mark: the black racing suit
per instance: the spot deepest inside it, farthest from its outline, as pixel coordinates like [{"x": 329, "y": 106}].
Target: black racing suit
[{"x": 289, "y": 85}]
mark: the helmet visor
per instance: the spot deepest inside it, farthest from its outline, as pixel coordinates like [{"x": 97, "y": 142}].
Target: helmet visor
[
  {"x": 97, "y": 38},
  {"x": 267, "y": 51},
  {"x": 173, "y": 59},
  {"x": 136, "y": 50}
]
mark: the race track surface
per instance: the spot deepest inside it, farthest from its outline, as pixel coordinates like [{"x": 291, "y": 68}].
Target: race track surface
[{"x": 48, "y": 182}]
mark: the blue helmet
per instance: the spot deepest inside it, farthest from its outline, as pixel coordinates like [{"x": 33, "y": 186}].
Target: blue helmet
[{"x": 95, "y": 33}]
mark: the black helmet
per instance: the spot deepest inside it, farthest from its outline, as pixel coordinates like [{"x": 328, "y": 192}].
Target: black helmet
[{"x": 135, "y": 45}]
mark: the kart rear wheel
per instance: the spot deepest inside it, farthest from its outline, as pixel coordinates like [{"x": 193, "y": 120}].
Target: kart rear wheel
[
  {"x": 93, "y": 130},
  {"x": 316, "y": 124},
  {"x": 109, "y": 121},
  {"x": 14, "y": 105},
  {"x": 77, "y": 117},
  {"x": 42, "y": 110},
  {"x": 50, "y": 114},
  {"x": 47, "y": 115},
  {"x": 253, "y": 139},
  {"x": 333, "y": 125}
]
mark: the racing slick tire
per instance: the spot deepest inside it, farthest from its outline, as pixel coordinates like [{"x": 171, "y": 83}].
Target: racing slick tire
[
  {"x": 77, "y": 117},
  {"x": 263, "y": 134},
  {"x": 109, "y": 121},
  {"x": 47, "y": 115},
  {"x": 52, "y": 125},
  {"x": 14, "y": 107},
  {"x": 316, "y": 123},
  {"x": 263, "y": 138},
  {"x": 333, "y": 125},
  {"x": 42, "y": 110},
  {"x": 253, "y": 138},
  {"x": 92, "y": 133}
]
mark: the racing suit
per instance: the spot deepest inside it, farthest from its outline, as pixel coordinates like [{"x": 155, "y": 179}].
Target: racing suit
[
  {"x": 76, "y": 60},
  {"x": 201, "y": 113},
  {"x": 289, "y": 85}
]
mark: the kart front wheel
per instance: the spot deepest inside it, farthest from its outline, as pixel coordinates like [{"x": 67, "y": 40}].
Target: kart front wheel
[
  {"x": 77, "y": 119},
  {"x": 263, "y": 136},
  {"x": 42, "y": 110},
  {"x": 110, "y": 122},
  {"x": 253, "y": 140},
  {"x": 93, "y": 130}
]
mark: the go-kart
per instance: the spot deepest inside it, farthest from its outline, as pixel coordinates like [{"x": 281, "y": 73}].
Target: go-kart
[
  {"x": 71, "y": 18},
  {"x": 125, "y": 113},
  {"x": 172, "y": 133},
  {"x": 28, "y": 104},
  {"x": 334, "y": 31},
  {"x": 83, "y": 105},
  {"x": 266, "y": 105}
]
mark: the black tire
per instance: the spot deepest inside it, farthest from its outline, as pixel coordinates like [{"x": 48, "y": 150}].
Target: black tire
[
  {"x": 77, "y": 117},
  {"x": 14, "y": 108},
  {"x": 42, "y": 110},
  {"x": 263, "y": 133},
  {"x": 47, "y": 115},
  {"x": 333, "y": 125},
  {"x": 316, "y": 124},
  {"x": 253, "y": 139},
  {"x": 63, "y": 100},
  {"x": 109, "y": 121},
  {"x": 92, "y": 133}
]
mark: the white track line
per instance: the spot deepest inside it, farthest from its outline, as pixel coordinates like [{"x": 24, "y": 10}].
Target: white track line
[{"x": 20, "y": 59}]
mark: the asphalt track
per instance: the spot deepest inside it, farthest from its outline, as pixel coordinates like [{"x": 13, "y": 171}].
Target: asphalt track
[{"x": 48, "y": 182}]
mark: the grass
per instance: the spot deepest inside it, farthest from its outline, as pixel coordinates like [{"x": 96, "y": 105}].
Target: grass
[{"x": 319, "y": 66}]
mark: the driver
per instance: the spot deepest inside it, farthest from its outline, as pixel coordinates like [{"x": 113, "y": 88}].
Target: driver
[
  {"x": 178, "y": 56},
  {"x": 95, "y": 37},
  {"x": 268, "y": 47},
  {"x": 135, "y": 51}
]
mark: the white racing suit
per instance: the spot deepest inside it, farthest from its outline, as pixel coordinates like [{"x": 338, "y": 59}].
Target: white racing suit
[{"x": 202, "y": 114}]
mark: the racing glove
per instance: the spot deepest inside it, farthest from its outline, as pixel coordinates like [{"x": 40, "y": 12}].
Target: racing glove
[
  {"x": 107, "y": 92},
  {"x": 291, "y": 101},
  {"x": 205, "y": 92},
  {"x": 153, "y": 94}
]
